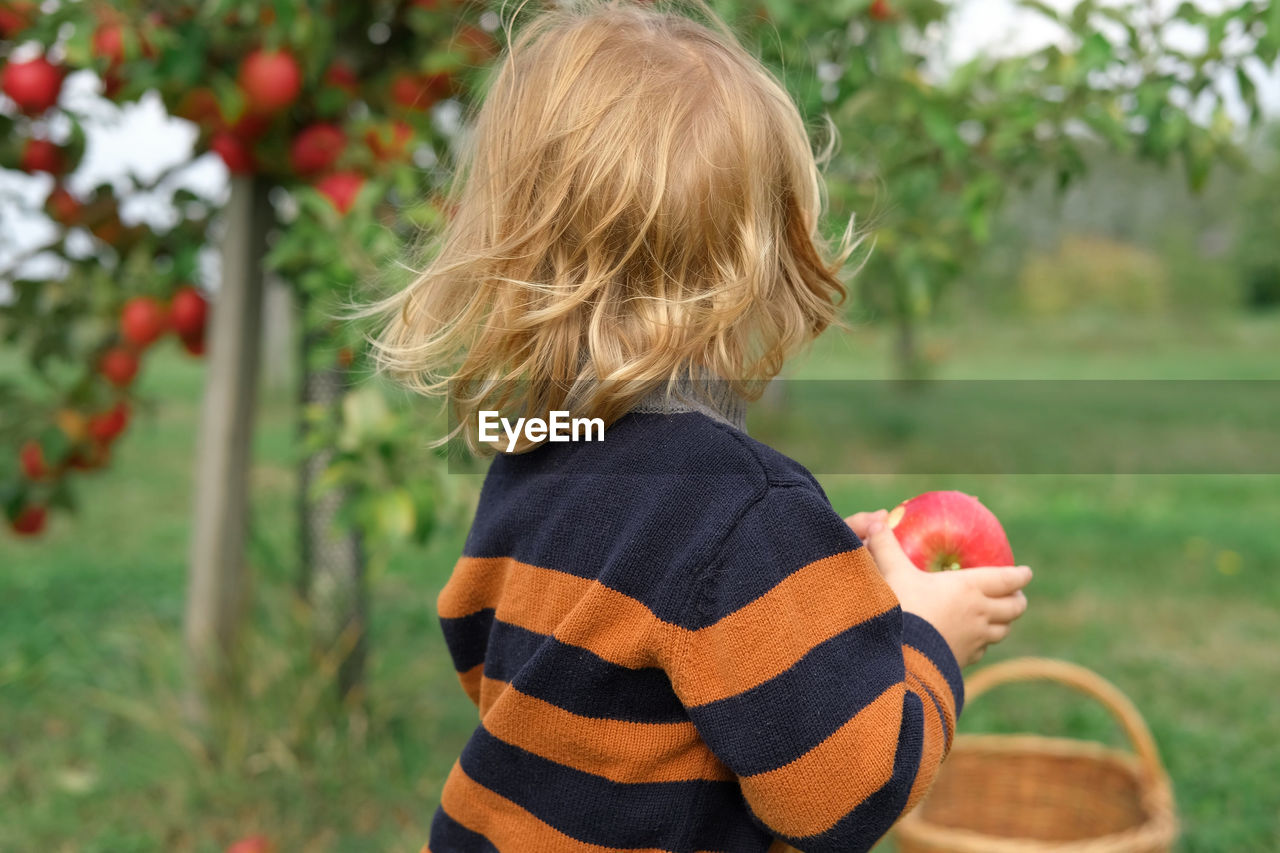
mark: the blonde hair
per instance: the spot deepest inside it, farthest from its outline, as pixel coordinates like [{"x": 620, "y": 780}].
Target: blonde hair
[{"x": 638, "y": 202}]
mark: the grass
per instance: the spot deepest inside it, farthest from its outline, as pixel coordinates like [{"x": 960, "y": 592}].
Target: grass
[{"x": 1165, "y": 584}]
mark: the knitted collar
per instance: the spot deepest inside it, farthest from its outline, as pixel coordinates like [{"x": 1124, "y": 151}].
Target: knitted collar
[{"x": 714, "y": 398}]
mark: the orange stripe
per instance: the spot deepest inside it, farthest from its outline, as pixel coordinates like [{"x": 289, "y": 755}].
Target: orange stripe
[
  {"x": 506, "y": 824},
  {"x": 766, "y": 637},
  {"x": 743, "y": 650},
  {"x": 613, "y": 625},
  {"x": 931, "y": 754},
  {"x": 811, "y": 794},
  {"x": 919, "y": 665},
  {"x": 619, "y": 750},
  {"x": 491, "y": 689},
  {"x": 471, "y": 681}
]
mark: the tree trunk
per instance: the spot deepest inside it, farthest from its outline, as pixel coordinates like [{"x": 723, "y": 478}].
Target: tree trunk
[
  {"x": 907, "y": 360},
  {"x": 216, "y": 589},
  {"x": 332, "y": 576}
]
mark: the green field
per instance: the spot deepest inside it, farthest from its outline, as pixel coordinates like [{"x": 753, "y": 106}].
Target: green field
[{"x": 1165, "y": 584}]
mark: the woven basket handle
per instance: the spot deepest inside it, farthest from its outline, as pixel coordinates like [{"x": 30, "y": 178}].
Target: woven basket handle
[{"x": 1085, "y": 681}]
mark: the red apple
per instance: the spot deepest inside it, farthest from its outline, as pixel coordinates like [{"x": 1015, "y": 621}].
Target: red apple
[
  {"x": 15, "y": 17},
  {"x": 199, "y": 105},
  {"x": 108, "y": 44},
  {"x": 270, "y": 80},
  {"x": 880, "y": 10},
  {"x": 420, "y": 91},
  {"x": 33, "y": 85},
  {"x": 90, "y": 457},
  {"x": 41, "y": 155},
  {"x": 119, "y": 366},
  {"x": 188, "y": 312},
  {"x": 253, "y": 844},
  {"x": 342, "y": 77},
  {"x": 316, "y": 148},
  {"x": 142, "y": 321},
  {"x": 341, "y": 189},
  {"x": 106, "y": 426},
  {"x": 233, "y": 151},
  {"x": 31, "y": 457},
  {"x": 249, "y": 126},
  {"x": 193, "y": 343},
  {"x": 63, "y": 207},
  {"x": 29, "y": 521},
  {"x": 950, "y": 530}
]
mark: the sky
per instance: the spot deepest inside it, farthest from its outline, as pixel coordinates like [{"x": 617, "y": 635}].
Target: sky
[{"x": 141, "y": 138}]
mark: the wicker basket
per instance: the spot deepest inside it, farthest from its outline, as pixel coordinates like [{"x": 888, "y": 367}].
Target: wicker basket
[{"x": 1032, "y": 794}]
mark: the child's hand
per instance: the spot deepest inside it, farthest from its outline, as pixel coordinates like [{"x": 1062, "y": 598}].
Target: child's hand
[{"x": 972, "y": 608}]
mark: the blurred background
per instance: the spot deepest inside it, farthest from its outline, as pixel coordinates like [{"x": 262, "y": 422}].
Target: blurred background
[{"x": 223, "y": 541}]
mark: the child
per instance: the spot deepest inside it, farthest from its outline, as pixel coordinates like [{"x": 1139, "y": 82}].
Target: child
[{"x": 674, "y": 642}]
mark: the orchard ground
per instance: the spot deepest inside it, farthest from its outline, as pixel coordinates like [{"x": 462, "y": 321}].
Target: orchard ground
[{"x": 1167, "y": 585}]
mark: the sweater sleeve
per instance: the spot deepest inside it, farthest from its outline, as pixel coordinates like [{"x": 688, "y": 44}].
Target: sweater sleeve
[{"x": 832, "y": 707}]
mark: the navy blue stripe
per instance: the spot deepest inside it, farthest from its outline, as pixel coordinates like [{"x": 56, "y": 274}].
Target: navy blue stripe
[
  {"x": 860, "y": 829},
  {"x": 579, "y": 681},
  {"x": 467, "y": 638},
  {"x": 776, "y": 722},
  {"x": 566, "y": 507},
  {"x": 924, "y": 638},
  {"x": 789, "y": 529},
  {"x": 449, "y": 836},
  {"x": 946, "y": 729},
  {"x": 591, "y": 808},
  {"x": 510, "y": 650}
]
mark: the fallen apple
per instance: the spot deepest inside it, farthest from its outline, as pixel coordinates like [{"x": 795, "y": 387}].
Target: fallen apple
[
  {"x": 942, "y": 531},
  {"x": 253, "y": 844}
]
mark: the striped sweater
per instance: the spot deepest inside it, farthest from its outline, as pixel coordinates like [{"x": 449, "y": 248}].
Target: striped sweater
[{"x": 676, "y": 644}]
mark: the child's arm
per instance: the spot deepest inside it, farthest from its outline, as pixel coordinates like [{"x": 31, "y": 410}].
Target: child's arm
[{"x": 804, "y": 676}]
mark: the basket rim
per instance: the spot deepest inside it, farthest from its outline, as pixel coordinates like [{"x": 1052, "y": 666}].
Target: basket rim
[{"x": 1160, "y": 828}]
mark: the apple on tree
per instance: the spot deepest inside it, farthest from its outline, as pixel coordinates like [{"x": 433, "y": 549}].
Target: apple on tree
[
  {"x": 233, "y": 151},
  {"x": 880, "y": 10},
  {"x": 413, "y": 91},
  {"x": 105, "y": 427},
  {"x": 15, "y": 17},
  {"x": 29, "y": 521},
  {"x": 317, "y": 148},
  {"x": 31, "y": 458},
  {"x": 108, "y": 44},
  {"x": 63, "y": 207},
  {"x": 188, "y": 312},
  {"x": 33, "y": 85},
  {"x": 341, "y": 188},
  {"x": 119, "y": 366},
  {"x": 947, "y": 530},
  {"x": 142, "y": 321},
  {"x": 342, "y": 77},
  {"x": 271, "y": 80},
  {"x": 43, "y": 155}
]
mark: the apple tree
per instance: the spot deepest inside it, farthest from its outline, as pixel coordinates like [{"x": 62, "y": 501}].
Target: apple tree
[
  {"x": 332, "y": 121},
  {"x": 929, "y": 149}
]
